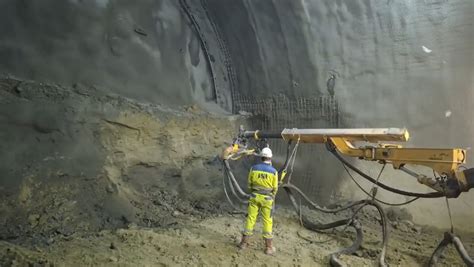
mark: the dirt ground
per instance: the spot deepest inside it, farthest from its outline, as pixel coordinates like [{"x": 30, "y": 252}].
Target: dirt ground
[{"x": 212, "y": 241}]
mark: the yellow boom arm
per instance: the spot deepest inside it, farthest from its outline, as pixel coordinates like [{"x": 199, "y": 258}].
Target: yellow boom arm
[{"x": 445, "y": 162}]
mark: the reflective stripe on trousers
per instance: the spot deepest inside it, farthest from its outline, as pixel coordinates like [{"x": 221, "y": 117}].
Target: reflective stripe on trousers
[
  {"x": 267, "y": 192},
  {"x": 264, "y": 205}
]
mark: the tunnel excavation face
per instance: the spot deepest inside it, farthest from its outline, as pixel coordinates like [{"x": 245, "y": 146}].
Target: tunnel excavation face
[{"x": 113, "y": 114}]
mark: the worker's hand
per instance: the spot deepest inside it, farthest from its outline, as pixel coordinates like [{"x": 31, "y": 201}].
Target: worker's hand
[{"x": 227, "y": 152}]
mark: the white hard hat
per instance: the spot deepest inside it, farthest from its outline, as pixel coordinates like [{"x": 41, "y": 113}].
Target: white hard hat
[{"x": 266, "y": 152}]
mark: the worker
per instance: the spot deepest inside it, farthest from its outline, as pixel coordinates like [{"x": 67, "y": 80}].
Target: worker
[{"x": 263, "y": 184}]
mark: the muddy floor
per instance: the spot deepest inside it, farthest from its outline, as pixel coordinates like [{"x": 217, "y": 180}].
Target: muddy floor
[{"x": 212, "y": 241}]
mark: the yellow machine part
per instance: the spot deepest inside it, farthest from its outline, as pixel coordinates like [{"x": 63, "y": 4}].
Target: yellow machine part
[
  {"x": 443, "y": 161},
  {"x": 372, "y": 135}
]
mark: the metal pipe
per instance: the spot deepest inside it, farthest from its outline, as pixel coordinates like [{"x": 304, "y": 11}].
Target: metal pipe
[
  {"x": 319, "y": 135},
  {"x": 410, "y": 172},
  {"x": 262, "y": 134},
  {"x": 386, "y": 187}
]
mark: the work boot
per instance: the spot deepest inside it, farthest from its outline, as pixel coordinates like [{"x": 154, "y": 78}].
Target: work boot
[
  {"x": 269, "y": 249},
  {"x": 244, "y": 243}
]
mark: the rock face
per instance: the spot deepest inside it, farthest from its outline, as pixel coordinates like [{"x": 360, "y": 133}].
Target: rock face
[
  {"x": 395, "y": 63},
  {"x": 82, "y": 160}
]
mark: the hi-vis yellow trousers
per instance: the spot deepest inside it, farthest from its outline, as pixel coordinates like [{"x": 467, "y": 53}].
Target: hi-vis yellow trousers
[{"x": 264, "y": 204}]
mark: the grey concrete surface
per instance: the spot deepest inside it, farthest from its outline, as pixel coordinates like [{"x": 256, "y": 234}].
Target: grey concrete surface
[
  {"x": 397, "y": 63},
  {"x": 144, "y": 50}
]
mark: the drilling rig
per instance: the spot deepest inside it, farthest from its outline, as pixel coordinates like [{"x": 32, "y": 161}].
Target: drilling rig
[{"x": 450, "y": 177}]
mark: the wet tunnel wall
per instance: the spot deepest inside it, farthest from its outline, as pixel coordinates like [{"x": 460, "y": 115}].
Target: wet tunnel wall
[{"x": 396, "y": 64}]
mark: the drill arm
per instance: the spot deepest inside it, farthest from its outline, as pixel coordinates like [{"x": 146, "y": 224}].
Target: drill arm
[{"x": 445, "y": 162}]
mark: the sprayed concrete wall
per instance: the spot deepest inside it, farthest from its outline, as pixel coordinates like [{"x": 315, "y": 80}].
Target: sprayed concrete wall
[
  {"x": 396, "y": 63},
  {"x": 146, "y": 51}
]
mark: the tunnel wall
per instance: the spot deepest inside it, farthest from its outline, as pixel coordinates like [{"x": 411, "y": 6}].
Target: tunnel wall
[
  {"x": 396, "y": 64},
  {"x": 146, "y": 51}
]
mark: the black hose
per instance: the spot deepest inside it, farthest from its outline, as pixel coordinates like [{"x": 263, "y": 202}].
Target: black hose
[
  {"x": 227, "y": 194},
  {"x": 316, "y": 207},
  {"x": 462, "y": 251},
  {"x": 233, "y": 180},
  {"x": 319, "y": 227},
  {"x": 376, "y": 199},
  {"x": 386, "y": 187},
  {"x": 450, "y": 238},
  {"x": 438, "y": 251},
  {"x": 307, "y": 223},
  {"x": 333, "y": 258},
  {"x": 239, "y": 198}
]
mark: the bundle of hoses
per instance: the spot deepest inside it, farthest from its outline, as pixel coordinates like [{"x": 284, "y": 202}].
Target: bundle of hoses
[
  {"x": 289, "y": 188},
  {"x": 352, "y": 222},
  {"x": 450, "y": 238}
]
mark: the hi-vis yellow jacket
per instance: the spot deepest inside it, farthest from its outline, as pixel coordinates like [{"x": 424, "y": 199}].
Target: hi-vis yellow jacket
[{"x": 263, "y": 179}]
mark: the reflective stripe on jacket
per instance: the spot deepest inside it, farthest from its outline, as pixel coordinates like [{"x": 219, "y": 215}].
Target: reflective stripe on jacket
[{"x": 263, "y": 178}]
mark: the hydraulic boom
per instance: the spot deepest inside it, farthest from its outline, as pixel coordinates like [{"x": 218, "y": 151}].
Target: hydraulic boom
[{"x": 450, "y": 180}]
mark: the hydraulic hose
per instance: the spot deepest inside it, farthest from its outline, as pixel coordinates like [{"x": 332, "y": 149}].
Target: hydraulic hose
[
  {"x": 450, "y": 238},
  {"x": 227, "y": 194},
  {"x": 384, "y": 186},
  {"x": 462, "y": 251},
  {"x": 233, "y": 180},
  {"x": 333, "y": 258},
  {"x": 319, "y": 227},
  {"x": 373, "y": 197},
  {"x": 232, "y": 189}
]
